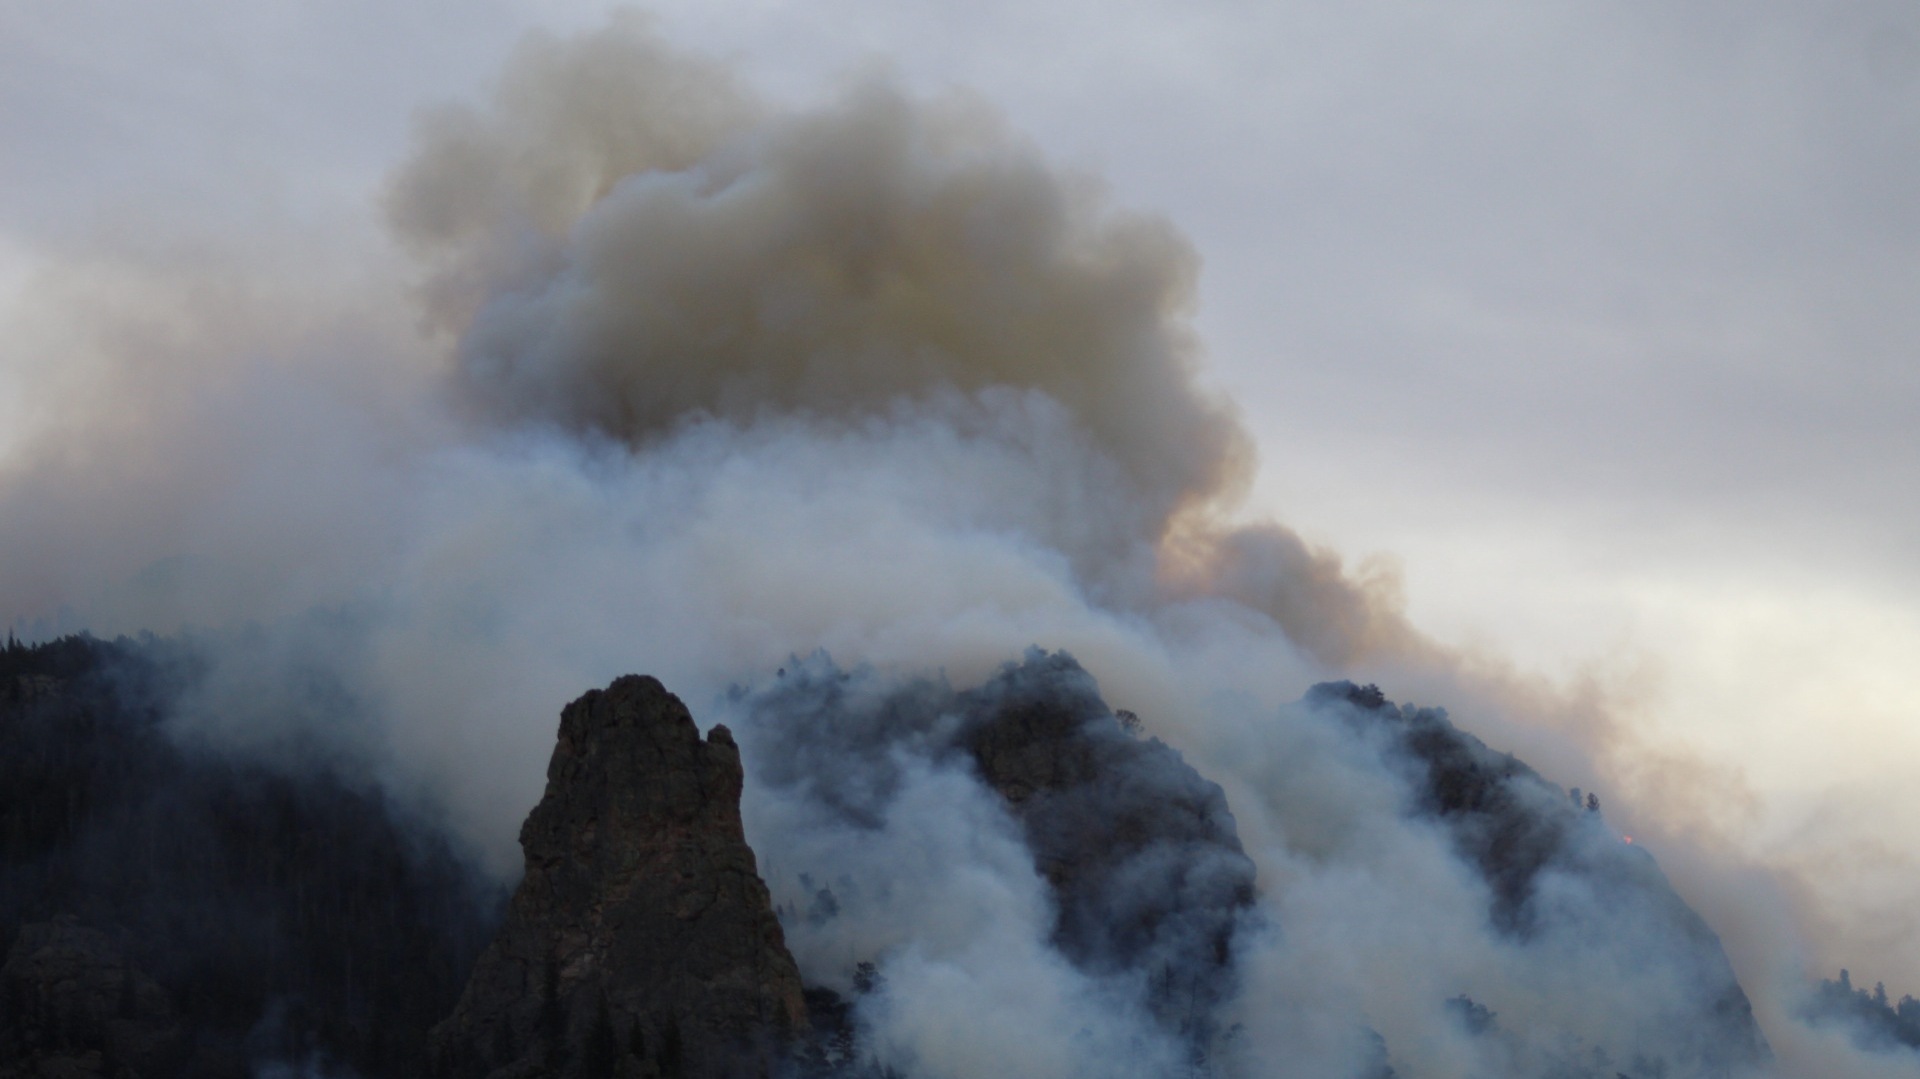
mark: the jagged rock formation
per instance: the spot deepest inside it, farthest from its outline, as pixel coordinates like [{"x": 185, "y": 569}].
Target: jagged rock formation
[
  {"x": 171, "y": 910},
  {"x": 1141, "y": 851},
  {"x": 1517, "y": 830},
  {"x": 642, "y": 940},
  {"x": 75, "y": 1005},
  {"x": 1149, "y": 880}
]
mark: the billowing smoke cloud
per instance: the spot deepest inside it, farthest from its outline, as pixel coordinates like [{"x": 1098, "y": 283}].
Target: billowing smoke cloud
[
  {"x": 617, "y": 270},
  {"x": 1430, "y": 906},
  {"x": 706, "y": 385},
  {"x": 1147, "y": 890},
  {"x": 831, "y": 263}
]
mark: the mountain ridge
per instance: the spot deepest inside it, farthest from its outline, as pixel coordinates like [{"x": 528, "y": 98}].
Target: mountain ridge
[{"x": 1093, "y": 802}]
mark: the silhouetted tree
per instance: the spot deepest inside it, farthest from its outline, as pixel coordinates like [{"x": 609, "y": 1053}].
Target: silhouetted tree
[
  {"x": 1473, "y": 1016},
  {"x": 672, "y": 1054},
  {"x": 601, "y": 1050},
  {"x": 553, "y": 1015},
  {"x": 1876, "y": 1022},
  {"x": 637, "y": 1041},
  {"x": 503, "y": 1051}
]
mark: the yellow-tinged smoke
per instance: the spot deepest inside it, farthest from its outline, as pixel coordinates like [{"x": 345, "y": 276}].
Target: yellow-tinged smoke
[{"x": 739, "y": 382}]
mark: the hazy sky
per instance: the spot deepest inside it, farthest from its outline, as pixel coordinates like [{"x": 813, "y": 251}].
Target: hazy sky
[{"x": 1598, "y": 318}]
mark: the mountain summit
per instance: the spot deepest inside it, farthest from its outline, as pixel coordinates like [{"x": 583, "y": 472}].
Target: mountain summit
[{"x": 642, "y": 940}]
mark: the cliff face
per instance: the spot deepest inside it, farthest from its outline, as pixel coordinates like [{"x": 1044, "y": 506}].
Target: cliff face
[
  {"x": 178, "y": 909},
  {"x": 1140, "y": 850},
  {"x": 641, "y": 940},
  {"x": 1529, "y": 842},
  {"x": 76, "y": 1006},
  {"x": 176, "y": 912},
  {"x": 1147, "y": 884}
]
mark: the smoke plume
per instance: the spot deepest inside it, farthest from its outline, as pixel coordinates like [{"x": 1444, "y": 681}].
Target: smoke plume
[{"x": 671, "y": 379}]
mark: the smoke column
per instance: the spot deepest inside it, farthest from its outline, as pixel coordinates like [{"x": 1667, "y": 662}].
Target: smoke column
[{"x": 673, "y": 380}]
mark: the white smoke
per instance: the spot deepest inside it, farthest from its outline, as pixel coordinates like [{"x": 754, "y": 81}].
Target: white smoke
[{"x": 705, "y": 385}]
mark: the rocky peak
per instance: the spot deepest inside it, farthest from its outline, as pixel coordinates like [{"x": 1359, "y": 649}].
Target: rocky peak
[
  {"x": 1141, "y": 850},
  {"x": 1526, "y": 837},
  {"x": 642, "y": 940},
  {"x": 1149, "y": 882},
  {"x": 76, "y": 1005}
]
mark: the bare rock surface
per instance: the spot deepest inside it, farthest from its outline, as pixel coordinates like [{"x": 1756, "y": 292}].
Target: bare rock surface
[
  {"x": 1141, "y": 851},
  {"x": 1149, "y": 883},
  {"x": 1535, "y": 848},
  {"x": 642, "y": 940},
  {"x": 74, "y": 1005}
]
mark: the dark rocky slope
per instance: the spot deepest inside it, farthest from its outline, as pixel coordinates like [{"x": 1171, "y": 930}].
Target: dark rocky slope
[
  {"x": 1518, "y": 830},
  {"x": 1139, "y": 849},
  {"x": 641, "y": 940},
  {"x": 166, "y": 910},
  {"x": 78, "y": 1006},
  {"x": 169, "y": 910},
  {"x": 1149, "y": 880}
]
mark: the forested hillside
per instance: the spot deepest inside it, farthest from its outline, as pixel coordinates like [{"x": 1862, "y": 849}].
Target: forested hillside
[
  {"x": 1877, "y": 1024},
  {"x": 180, "y": 910}
]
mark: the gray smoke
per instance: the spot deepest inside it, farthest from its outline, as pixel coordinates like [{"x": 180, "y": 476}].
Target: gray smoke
[
  {"x": 623, "y": 243},
  {"x": 1438, "y": 909},
  {"x": 1146, "y": 881},
  {"x": 705, "y": 384},
  {"x": 625, "y": 249}
]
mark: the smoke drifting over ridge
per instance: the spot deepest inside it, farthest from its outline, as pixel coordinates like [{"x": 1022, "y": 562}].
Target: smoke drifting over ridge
[
  {"x": 729, "y": 384},
  {"x": 696, "y": 257},
  {"x": 829, "y": 263}
]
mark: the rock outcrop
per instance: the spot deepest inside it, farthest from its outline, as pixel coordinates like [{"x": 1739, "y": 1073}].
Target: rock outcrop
[
  {"x": 642, "y": 941},
  {"x": 288, "y": 912},
  {"x": 1141, "y": 852},
  {"x": 1149, "y": 881},
  {"x": 75, "y": 1005},
  {"x": 1533, "y": 846}
]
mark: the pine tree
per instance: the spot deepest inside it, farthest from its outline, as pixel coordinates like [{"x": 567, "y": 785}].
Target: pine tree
[
  {"x": 503, "y": 1049},
  {"x": 602, "y": 1048},
  {"x": 672, "y": 1053},
  {"x": 553, "y": 1016}
]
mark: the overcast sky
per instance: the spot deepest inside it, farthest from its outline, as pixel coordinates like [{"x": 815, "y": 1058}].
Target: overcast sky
[{"x": 1599, "y": 318}]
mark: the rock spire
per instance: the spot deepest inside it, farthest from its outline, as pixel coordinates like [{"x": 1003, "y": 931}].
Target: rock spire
[{"x": 642, "y": 941}]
